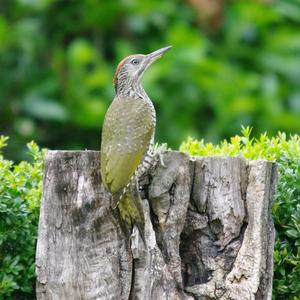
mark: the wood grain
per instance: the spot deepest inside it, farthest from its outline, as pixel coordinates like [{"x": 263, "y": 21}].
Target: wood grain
[{"x": 209, "y": 231}]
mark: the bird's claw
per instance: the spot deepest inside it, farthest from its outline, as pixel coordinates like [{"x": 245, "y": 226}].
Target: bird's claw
[
  {"x": 161, "y": 160},
  {"x": 159, "y": 154}
]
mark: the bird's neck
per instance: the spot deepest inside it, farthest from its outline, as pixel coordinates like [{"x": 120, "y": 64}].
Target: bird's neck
[{"x": 130, "y": 88}]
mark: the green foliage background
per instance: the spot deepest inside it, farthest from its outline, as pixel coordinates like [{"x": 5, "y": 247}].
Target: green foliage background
[{"x": 231, "y": 64}]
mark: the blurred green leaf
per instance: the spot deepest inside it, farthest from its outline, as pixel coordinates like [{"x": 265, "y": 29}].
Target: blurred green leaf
[{"x": 43, "y": 108}]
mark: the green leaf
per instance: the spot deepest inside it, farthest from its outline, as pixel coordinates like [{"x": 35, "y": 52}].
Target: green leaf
[
  {"x": 44, "y": 109},
  {"x": 293, "y": 233}
]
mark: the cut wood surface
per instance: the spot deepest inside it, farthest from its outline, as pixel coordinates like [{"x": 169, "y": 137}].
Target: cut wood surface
[{"x": 209, "y": 232}]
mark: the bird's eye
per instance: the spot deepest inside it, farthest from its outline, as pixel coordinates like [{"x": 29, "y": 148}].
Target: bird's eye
[{"x": 135, "y": 61}]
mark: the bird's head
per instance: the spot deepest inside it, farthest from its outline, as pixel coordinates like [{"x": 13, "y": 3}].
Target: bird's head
[{"x": 131, "y": 69}]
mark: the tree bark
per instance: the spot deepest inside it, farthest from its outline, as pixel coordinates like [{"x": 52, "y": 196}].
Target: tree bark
[{"x": 209, "y": 233}]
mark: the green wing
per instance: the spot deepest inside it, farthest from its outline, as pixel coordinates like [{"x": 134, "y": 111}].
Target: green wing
[{"x": 127, "y": 130}]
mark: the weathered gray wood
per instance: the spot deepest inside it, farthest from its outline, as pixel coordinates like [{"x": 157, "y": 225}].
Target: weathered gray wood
[
  {"x": 233, "y": 233},
  {"x": 209, "y": 232},
  {"x": 81, "y": 251}
]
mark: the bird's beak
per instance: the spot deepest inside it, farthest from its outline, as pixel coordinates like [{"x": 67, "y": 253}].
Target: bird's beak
[{"x": 153, "y": 56}]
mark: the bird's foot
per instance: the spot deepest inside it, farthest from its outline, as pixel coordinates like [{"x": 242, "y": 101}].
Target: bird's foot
[
  {"x": 161, "y": 160},
  {"x": 159, "y": 151}
]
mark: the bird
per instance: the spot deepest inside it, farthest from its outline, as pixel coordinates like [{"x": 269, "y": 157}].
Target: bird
[{"x": 127, "y": 138}]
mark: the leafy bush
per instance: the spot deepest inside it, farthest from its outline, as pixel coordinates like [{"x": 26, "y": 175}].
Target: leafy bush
[
  {"x": 286, "y": 213},
  {"x": 286, "y": 208},
  {"x": 20, "y": 193}
]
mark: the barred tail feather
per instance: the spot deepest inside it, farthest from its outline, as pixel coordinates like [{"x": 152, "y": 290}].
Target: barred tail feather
[{"x": 131, "y": 211}]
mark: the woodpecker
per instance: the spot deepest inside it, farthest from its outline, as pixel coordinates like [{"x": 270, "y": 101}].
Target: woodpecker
[{"x": 128, "y": 137}]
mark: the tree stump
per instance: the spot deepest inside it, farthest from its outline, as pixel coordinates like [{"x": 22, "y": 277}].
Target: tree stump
[{"x": 209, "y": 232}]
